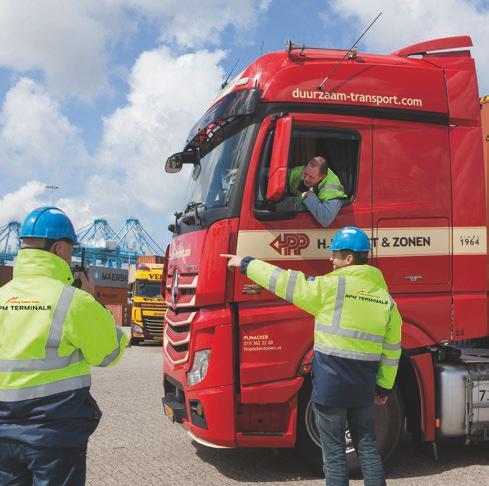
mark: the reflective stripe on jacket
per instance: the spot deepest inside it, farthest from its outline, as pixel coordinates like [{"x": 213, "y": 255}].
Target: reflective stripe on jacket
[
  {"x": 51, "y": 332},
  {"x": 355, "y": 317},
  {"x": 329, "y": 188}
]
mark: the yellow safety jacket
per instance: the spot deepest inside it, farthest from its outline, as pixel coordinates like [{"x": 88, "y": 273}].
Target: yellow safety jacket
[
  {"x": 329, "y": 188},
  {"x": 355, "y": 317},
  {"x": 50, "y": 331}
]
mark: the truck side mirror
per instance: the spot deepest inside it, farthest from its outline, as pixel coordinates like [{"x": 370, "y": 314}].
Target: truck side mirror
[
  {"x": 175, "y": 162},
  {"x": 277, "y": 181}
]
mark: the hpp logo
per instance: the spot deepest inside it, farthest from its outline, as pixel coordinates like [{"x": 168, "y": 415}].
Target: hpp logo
[{"x": 290, "y": 243}]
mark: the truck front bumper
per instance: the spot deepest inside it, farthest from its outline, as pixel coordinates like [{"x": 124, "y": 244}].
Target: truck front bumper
[{"x": 207, "y": 414}]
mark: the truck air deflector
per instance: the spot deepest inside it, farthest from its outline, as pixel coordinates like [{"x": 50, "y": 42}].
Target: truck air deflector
[{"x": 442, "y": 44}]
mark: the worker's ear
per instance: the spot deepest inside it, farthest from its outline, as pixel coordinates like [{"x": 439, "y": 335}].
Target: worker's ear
[
  {"x": 349, "y": 260},
  {"x": 62, "y": 249}
]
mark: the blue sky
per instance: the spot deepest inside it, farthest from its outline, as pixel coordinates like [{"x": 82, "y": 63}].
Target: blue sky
[{"x": 95, "y": 94}]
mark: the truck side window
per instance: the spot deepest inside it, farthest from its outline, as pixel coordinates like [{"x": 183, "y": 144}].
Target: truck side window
[{"x": 341, "y": 148}]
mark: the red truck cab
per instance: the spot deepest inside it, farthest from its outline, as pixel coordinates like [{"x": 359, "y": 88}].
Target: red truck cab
[{"x": 403, "y": 134}]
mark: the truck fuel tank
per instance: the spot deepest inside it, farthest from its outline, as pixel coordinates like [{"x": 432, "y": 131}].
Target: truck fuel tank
[{"x": 463, "y": 396}]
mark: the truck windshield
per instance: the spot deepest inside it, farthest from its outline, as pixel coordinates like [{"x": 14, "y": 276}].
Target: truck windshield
[
  {"x": 147, "y": 288},
  {"x": 212, "y": 182}
]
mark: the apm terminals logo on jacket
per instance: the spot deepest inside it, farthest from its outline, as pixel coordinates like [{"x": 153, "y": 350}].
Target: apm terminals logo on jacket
[
  {"x": 16, "y": 304},
  {"x": 290, "y": 243},
  {"x": 365, "y": 296}
]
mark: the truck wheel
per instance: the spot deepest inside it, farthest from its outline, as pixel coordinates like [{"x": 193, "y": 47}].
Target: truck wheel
[
  {"x": 134, "y": 341},
  {"x": 389, "y": 422}
]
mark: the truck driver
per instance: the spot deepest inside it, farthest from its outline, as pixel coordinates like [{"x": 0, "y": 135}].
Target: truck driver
[{"x": 319, "y": 188}]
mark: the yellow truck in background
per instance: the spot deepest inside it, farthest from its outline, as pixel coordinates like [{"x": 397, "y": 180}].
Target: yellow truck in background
[{"x": 148, "y": 307}]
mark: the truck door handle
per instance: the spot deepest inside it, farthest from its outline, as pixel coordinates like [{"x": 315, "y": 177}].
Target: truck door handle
[{"x": 413, "y": 278}]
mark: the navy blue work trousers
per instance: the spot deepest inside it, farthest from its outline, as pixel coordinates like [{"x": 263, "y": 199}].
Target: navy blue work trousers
[
  {"x": 332, "y": 423},
  {"x": 24, "y": 465}
]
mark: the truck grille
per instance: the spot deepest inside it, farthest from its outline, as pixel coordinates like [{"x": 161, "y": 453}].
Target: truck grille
[
  {"x": 179, "y": 317},
  {"x": 154, "y": 325},
  {"x": 153, "y": 305}
]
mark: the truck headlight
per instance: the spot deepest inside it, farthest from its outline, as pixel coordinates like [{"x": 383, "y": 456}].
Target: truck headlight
[
  {"x": 137, "y": 329},
  {"x": 200, "y": 366}
]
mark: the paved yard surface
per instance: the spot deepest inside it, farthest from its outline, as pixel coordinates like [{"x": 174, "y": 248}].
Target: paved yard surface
[{"x": 136, "y": 445}]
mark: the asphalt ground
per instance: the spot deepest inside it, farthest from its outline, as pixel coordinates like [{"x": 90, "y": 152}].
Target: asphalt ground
[{"x": 136, "y": 444}]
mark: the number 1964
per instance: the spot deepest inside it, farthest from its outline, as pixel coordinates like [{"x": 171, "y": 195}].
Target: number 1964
[{"x": 472, "y": 240}]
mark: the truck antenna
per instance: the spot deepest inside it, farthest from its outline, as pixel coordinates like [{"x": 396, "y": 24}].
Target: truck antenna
[
  {"x": 225, "y": 83},
  {"x": 350, "y": 52}
]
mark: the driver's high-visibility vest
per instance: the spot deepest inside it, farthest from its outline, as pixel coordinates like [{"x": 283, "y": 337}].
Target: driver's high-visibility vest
[
  {"x": 355, "y": 317},
  {"x": 329, "y": 188}
]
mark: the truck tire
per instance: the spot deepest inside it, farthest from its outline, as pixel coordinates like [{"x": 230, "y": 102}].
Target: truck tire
[{"x": 389, "y": 423}]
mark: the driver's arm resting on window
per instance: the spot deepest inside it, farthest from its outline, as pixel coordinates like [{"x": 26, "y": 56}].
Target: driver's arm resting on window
[
  {"x": 323, "y": 211},
  {"x": 320, "y": 189}
]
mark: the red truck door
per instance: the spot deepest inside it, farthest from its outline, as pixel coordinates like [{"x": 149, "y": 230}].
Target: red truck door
[{"x": 413, "y": 220}]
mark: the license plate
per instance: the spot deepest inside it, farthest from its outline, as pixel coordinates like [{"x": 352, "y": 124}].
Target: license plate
[{"x": 169, "y": 412}]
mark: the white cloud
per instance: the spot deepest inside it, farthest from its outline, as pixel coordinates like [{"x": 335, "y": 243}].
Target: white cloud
[
  {"x": 71, "y": 42},
  {"x": 194, "y": 24},
  {"x": 406, "y": 22},
  {"x": 67, "y": 41},
  {"x": 15, "y": 205},
  {"x": 167, "y": 96},
  {"x": 36, "y": 139}
]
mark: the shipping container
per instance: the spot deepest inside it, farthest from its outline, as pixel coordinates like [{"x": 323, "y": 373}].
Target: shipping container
[
  {"x": 5, "y": 274},
  {"x": 109, "y": 277},
  {"x": 111, "y": 295},
  {"x": 121, "y": 313},
  {"x": 150, "y": 259}
]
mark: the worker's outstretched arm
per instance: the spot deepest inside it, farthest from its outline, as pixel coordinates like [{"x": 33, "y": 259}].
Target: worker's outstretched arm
[{"x": 291, "y": 285}]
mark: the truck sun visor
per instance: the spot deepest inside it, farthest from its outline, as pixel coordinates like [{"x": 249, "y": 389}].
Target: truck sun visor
[{"x": 235, "y": 104}]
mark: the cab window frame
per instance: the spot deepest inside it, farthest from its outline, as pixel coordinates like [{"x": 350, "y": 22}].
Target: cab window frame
[{"x": 267, "y": 210}]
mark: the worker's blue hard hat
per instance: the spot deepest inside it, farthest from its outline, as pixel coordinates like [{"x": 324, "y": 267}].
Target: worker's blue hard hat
[
  {"x": 350, "y": 238},
  {"x": 48, "y": 222}
]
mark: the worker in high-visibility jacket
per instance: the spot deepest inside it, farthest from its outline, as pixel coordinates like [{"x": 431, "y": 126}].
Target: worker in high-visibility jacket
[
  {"x": 50, "y": 335},
  {"x": 357, "y": 346},
  {"x": 319, "y": 189}
]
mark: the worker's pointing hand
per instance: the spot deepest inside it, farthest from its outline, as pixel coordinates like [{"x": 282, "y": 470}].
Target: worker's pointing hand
[{"x": 234, "y": 260}]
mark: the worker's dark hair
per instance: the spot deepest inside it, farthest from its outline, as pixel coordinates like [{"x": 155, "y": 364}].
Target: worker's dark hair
[
  {"x": 320, "y": 162},
  {"x": 359, "y": 257}
]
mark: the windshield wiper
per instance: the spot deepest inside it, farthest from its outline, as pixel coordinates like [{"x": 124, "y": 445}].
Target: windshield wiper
[
  {"x": 194, "y": 218},
  {"x": 187, "y": 218}
]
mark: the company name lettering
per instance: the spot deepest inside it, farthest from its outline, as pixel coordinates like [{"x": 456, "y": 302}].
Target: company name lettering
[
  {"x": 386, "y": 242},
  {"x": 378, "y": 100},
  {"x": 115, "y": 277},
  {"x": 25, "y": 307},
  {"x": 366, "y": 298}
]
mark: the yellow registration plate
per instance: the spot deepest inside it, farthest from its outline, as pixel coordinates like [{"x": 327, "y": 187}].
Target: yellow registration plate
[{"x": 169, "y": 412}]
